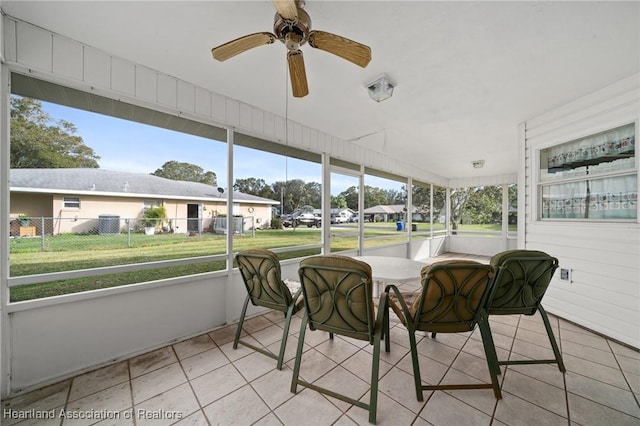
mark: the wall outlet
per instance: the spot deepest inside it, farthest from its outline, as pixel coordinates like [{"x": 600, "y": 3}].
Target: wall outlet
[{"x": 565, "y": 275}]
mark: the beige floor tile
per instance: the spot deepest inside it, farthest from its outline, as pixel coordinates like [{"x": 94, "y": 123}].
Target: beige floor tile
[
  {"x": 309, "y": 408},
  {"x": 195, "y": 419},
  {"x": 602, "y": 373},
  {"x": 443, "y": 409},
  {"x": 194, "y": 346},
  {"x": 157, "y": 382},
  {"x": 619, "y": 349},
  {"x": 343, "y": 382},
  {"x": 473, "y": 366},
  {"x": 431, "y": 371},
  {"x": 274, "y": 387},
  {"x": 167, "y": 408},
  {"x": 389, "y": 413},
  {"x": 268, "y": 420},
  {"x": 589, "y": 413},
  {"x": 255, "y": 365},
  {"x": 630, "y": 364},
  {"x": 242, "y": 407},
  {"x": 314, "y": 365},
  {"x": 548, "y": 373},
  {"x": 526, "y": 350},
  {"x": 217, "y": 383},
  {"x": 241, "y": 351},
  {"x": 99, "y": 379},
  {"x": 604, "y": 357},
  {"x": 224, "y": 335},
  {"x": 602, "y": 393},
  {"x": 111, "y": 400},
  {"x": 203, "y": 363},
  {"x": 152, "y": 361},
  {"x": 290, "y": 349},
  {"x": 539, "y": 393},
  {"x": 581, "y": 338},
  {"x": 481, "y": 399},
  {"x": 337, "y": 349},
  {"x": 268, "y": 335},
  {"x": 42, "y": 400},
  {"x": 434, "y": 349},
  {"x": 360, "y": 365},
  {"x": 399, "y": 386},
  {"x": 514, "y": 411},
  {"x": 252, "y": 325}
]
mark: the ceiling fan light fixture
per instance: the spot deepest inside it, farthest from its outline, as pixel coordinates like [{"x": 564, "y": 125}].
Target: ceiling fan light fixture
[{"x": 381, "y": 89}]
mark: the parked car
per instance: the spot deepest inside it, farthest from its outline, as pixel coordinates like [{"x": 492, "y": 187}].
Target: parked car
[
  {"x": 336, "y": 218},
  {"x": 306, "y": 215}
]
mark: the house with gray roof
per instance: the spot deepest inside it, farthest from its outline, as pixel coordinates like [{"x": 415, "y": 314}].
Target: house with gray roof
[{"x": 82, "y": 200}]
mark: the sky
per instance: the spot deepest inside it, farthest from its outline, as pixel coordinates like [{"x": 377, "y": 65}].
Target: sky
[{"x": 133, "y": 147}]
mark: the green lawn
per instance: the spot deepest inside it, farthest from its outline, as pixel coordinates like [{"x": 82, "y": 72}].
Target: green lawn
[{"x": 72, "y": 252}]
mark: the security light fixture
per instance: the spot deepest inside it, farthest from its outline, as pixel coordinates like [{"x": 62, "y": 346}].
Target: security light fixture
[
  {"x": 478, "y": 164},
  {"x": 381, "y": 89}
]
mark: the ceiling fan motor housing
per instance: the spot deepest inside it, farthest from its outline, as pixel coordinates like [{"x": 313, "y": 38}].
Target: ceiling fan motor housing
[{"x": 292, "y": 33}]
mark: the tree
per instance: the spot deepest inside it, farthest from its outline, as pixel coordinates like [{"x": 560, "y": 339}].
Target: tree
[
  {"x": 37, "y": 141},
  {"x": 296, "y": 193},
  {"x": 254, "y": 186},
  {"x": 176, "y": 170}
]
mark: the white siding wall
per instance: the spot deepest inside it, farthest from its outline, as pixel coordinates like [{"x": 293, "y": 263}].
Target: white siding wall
[{"x": 604, "y": 257}]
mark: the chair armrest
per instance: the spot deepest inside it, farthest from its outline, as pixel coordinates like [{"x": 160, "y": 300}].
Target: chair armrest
[{"x": 402, "y": 311}]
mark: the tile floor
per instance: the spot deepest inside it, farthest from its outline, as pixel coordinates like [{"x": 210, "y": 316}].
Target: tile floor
[{"x": 204, "y": 381}]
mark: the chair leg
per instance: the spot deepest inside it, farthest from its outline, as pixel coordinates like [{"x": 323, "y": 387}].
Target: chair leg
[
  {"x": 285, "y": 334},
  {"x": 552, "y": 339},
  {"x": 240, "y": 322},
  {"x": 296, "y": 367},
  {"x": 416, "y": 365},
  {"x": 490, "y": 354},
  {"x": 375, "y": 375}
]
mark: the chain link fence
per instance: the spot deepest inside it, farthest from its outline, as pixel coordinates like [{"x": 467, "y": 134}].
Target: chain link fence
[{"x": 112, "y": 231}]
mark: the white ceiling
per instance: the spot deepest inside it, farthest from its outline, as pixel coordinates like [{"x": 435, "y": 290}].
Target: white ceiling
[{"x": 468, "y": 72}]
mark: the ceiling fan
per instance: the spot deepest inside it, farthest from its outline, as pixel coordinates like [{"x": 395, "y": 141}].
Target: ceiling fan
[{"x": 292, "y": 26}]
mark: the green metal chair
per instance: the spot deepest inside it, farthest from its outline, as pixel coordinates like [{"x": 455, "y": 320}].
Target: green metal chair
[
  {"x": 260, "y": 270},
  {"x": 522, "y": 278},
  {"x": 338, "y": 299},
  {"x": 451, "y": 300}
]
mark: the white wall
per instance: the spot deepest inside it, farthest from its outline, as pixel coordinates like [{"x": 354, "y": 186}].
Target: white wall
[
  {"x": 604, "y": 257},
  {"x": 71, "y": 333}
]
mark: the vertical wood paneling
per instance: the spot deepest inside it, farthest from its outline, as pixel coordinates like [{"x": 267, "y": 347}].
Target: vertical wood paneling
[
  {"x": 268, "y": 125},
  {"x": 67, "y": 58},
  {"x": 246, "y": 116},
  {"x": 9, "y": 40},
  {"x": 257, "y": 123},
  {"x": 146, "y": 84},
  {"x": 203, "y": 102},
  {"x": 33, "y": 47},
  {"x": 233, "y": 112},
  {"x": 219, "y": 105},
  {"x": 123, "y": 76},
  {"x": 186, "y": 96},
  {"x": 167, "y": 90},
  {"x": 96, "y": 67}
]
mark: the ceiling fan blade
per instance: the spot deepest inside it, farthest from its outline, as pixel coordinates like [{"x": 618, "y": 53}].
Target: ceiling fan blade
[
  {"x": 297, "y": 73},
  {"x": 234, "y": 47},
  {"x": 287, "y": 9},
  {"x": 347, "y": 49}
]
